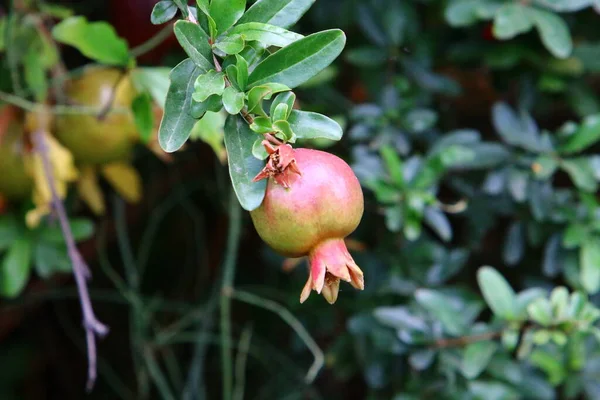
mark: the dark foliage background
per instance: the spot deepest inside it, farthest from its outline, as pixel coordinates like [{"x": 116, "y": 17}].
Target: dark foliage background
[{"x": 474, "y": 127}]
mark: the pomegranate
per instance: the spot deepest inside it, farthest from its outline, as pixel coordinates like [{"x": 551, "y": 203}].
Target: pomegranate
[
  {"x": 312, "y": 202},
  {"x": 103, "y": 140},
  {"x": 15, "y": 183}
]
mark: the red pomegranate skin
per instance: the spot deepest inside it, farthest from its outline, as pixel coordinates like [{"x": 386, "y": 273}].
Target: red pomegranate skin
[{"x": 311, "y": 218}]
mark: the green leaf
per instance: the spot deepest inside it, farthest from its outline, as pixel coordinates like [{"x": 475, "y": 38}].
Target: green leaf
[
  {"x": 209, "y": 129},
  {"x": 280, "y": 113},
  {"x": 393, "y": 165},
  {"x": 154, "y": 80},
  {"x": 310, "y": 125},
  {"x": 194, "y": 41},
  {"x": 9, "y": 230},
  {"x": 207, "y": 84},
  {"x": 437, "y": 304},
  {"x": 287, "y": 98},
  {"x": 264, "y": 92},
  {"x": 476, "y": 358},
  {"x": 497, "y": 293},
  {"x": 81, "y": 229},
  {"x": 284, "y": 13},
  {"x": 586, "y": 135},
  {"x": 261, "y": 125},
  {"x": 268, "y": 35},
  {"x": 233, "y": 100},
  {"x": 243, "y": 166},
  {"x": 230, "y": 44},
  {"x": 35, "y": 74},
  {"x": 226, "y": 12},
  {"x": 15, "y": 268},
  {"x": 581, "y": 172},
  {"x": 285, "y": 131},
  {"x": 203, "y": 5},
  {"x": 214, "y": 104},
  {"x": 461, "y": 13},
  {"x": 258, "y": 150},
  {"x": 300, "y": 61},
  {"x": 511, "y": 20},
  {"x": 553, "y": 31},
  {"x": 50, "y": 258},
  {"x": 143, "y": 116},
  {"x": 163, "y": 11},
  {"x": 590, "y": 265},
  {"x": 242, "y": 71},
  {"x": 95, "y": 40},
  {"x": 540, "y": 311},
  {"x": 438, "y": 222},
  {"x": 177, "y": 122}
]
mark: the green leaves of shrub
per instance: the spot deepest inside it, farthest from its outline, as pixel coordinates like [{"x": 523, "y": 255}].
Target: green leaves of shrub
[{"x": 95, "y": 40}]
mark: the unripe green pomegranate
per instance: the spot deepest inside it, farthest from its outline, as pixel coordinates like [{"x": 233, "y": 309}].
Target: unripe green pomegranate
[
  {"x": 94, "y": 140},
  {"x": 15, "y": 183},
  {"x": 322, "y": 205}
]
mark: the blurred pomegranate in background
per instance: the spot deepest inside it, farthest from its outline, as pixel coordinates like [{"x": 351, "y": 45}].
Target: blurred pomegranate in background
[{"x": 131, "y": 19}]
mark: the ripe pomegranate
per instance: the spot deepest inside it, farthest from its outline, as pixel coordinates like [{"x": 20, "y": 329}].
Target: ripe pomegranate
[
  {"x": 313, "y": 201},
  {"x": 94, "y": 140},
  {"x": 15, "y": 183}
]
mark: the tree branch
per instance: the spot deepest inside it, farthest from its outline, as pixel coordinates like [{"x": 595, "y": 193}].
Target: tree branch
[{"x": 92, "y": 326}]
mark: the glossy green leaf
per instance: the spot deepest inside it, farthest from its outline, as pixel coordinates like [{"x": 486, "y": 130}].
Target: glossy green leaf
[
  {"x": 264, "y": 92},
  {"x": 230, "y": 44},
  {"x": 9, "y": 230},
  {"x": 268, "y": 35},
  {"x": 208, "y": 84},
  {"x": 540, "y": 311},
  {"x": 438, "y": 222},
  {"x": 242, "y": 71},
  {"x": 497, "y": 293},
  {"x": 287, "y": 98},
  {"x": 581, "y": 172},
  {"x": 163, "y": 11},
  {"x": 214, "y": 104},
  {"x": 300, "y": 61},
  {"x": 243, "y": 166},
  {"x": 279, "y": 113},
  {"x": 203, "y": 5},
  {"x": 284, "y": 13},
  {"x": 35, "y": 74},
  {"x": 154, "y": 80},
  {"x": 195, "y": 43},
  {"x": 177, "y": 121},
  {"x": 553, "y": 31},
  {"x": 261, "y": 125},
  {"x": 143, "y": 116},
  {"x": 95, "y": 40},
  {"x": 437, "y": 304},
  {"x": 233, "y": 100},
  {"x": 511, "y": 20},
  {"x": 462, "y": 13},
  {"x": 310, "y": 125},
  {"x": 393, "y": 165},
  {"x": 585, "y": 136},
  {"x": 15, "y": 268},
  {"x": 226, "y": 12},
  {"x": 590, "y": 264},
  {"x": 258, "y": 150},
  {"x": 284, "y": 131},
  {"x": 81, "y": 229},
  {"x": 476, "y": 358}
]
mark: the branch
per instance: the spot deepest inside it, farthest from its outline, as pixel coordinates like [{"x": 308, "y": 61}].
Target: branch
[
  {"x": 293, "y": 322},
  {"x": 92, "y": 326},
  {"x": 153, "y": 42},
  {"x": 235, "y": 222},
  {"x": 465, "y": 340}
]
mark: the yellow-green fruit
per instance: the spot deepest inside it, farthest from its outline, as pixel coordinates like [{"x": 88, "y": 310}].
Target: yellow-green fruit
[
  {"x": 108, "y": 139},
  {"x": 15, "y": 183}
]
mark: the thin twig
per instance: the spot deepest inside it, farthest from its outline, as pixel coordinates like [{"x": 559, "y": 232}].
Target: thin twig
[
  {"x": 240, "y": 363},
  {"x": 233, "y": 236},
  {"x": 293, "y": 322},
  {"x": 465, "y": 340},
  {"x": 153, "y": 42},
  {"x": 57, "y": 109},
  {"x": 92, "y": 326}
]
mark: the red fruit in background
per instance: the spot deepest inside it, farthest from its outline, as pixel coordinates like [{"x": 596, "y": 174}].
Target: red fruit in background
[
  {"x": 131, "y": 19},
  {"x": 322, "y": 206}
]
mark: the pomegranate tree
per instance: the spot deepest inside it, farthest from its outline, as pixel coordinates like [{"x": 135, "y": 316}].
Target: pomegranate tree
[{"x": 312, "y": 202}]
